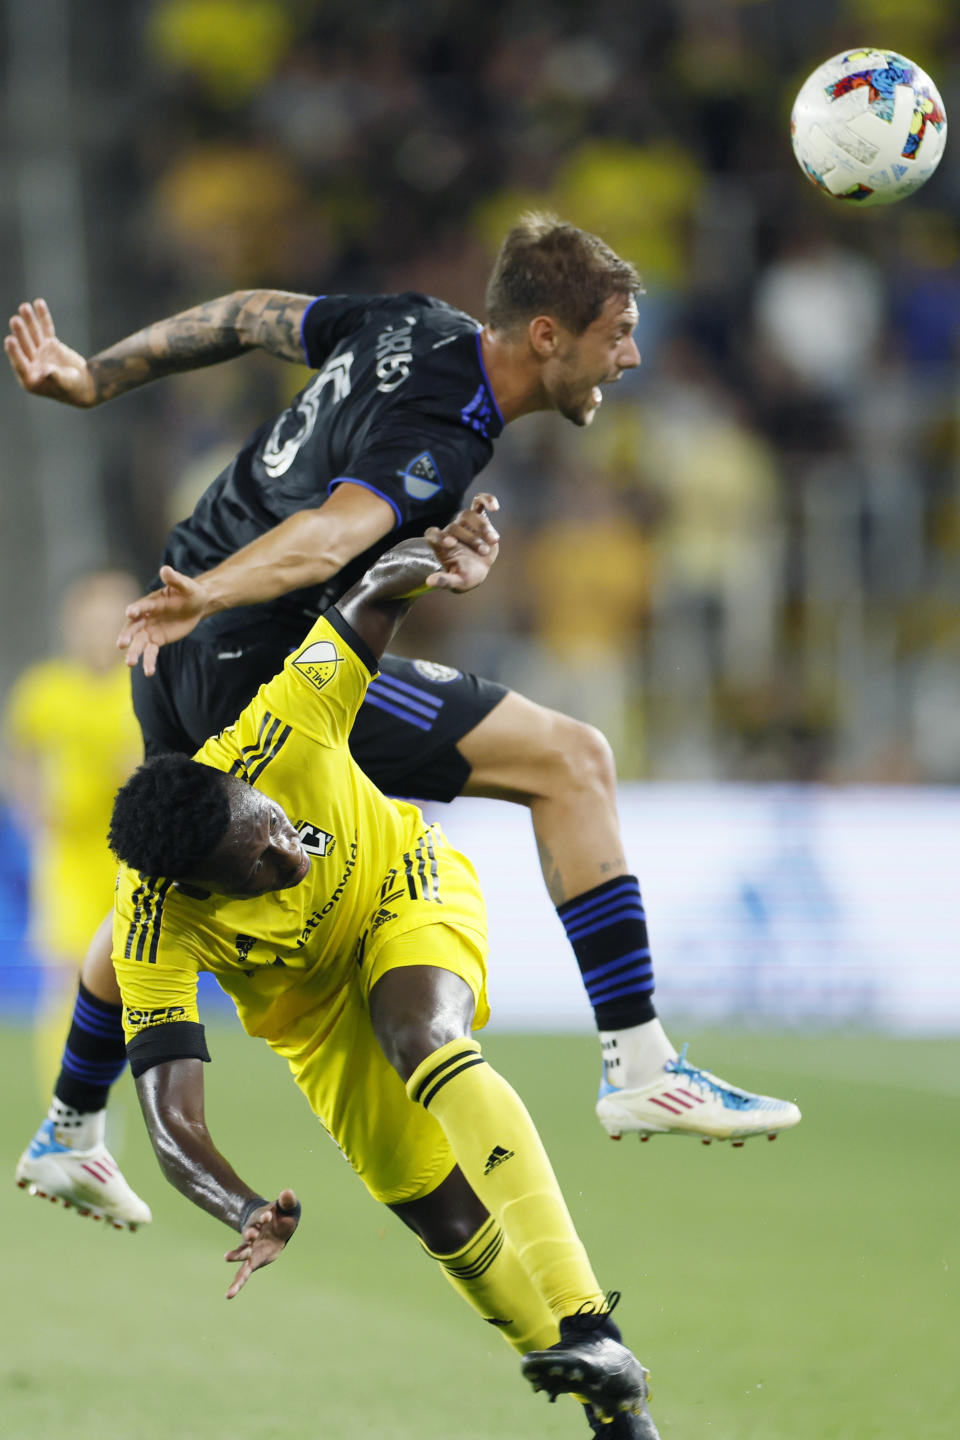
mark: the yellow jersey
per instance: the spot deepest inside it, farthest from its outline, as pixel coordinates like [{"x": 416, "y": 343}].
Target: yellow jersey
[
  {"x": 79, "y": 729},
  {"x": 290, "y": 952}
]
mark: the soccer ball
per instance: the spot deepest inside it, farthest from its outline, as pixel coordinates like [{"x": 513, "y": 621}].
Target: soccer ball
[{"x": 868, "y": 126}]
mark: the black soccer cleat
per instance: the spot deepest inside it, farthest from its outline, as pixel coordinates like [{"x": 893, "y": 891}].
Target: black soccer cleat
[
  {"x": 625, "y": 1426},
  {"x": 591, "y": 1361}
]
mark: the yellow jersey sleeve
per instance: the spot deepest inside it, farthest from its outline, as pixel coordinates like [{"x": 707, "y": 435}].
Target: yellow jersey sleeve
[
  {"x": 323, "y": 682},
  {"x": 156, "y": 969}
]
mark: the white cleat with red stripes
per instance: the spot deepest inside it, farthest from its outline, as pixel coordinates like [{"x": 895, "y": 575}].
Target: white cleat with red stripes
[
  {"x": 685, "y": 1100},
  {"x": 88, "y": 1180}
]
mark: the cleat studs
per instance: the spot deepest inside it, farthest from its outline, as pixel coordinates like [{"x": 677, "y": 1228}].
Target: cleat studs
[
  {"x": 773, "y": 1136},
  {"x": 21, "y": 1184},
  {"x": 618, "y": 1137},
  {"x": 707, "y": 1140},
  {"x": 644, "y": 1139},
  {"x": 737, "y": 1144}
]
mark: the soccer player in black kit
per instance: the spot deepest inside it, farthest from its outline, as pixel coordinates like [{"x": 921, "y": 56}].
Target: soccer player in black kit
[{"x": 407, "y": 401}]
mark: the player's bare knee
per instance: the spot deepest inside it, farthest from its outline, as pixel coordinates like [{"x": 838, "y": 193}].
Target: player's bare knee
[
  {"x": 447, "y": 1218},
  {"x": 578, "y": 761},
  {"x": 407, "y": 1043}
]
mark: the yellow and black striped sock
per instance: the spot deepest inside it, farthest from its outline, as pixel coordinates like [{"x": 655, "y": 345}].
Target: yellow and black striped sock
[
  {"x": 488, "y": 1274},
  {"x": 499, "y": 1151}
]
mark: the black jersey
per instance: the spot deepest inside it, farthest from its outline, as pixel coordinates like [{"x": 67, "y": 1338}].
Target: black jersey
[{"x": 400, "y": 404}]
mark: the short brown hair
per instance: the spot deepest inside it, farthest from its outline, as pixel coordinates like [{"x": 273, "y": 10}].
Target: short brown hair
[{"x": 547, "y": 267}]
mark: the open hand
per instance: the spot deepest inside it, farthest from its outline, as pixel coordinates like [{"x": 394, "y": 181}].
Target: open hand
[
  {"x": 466, "y": 548},
  {"x": 265, "y": 1236},
  {"x": 42, "y": 364},
  {"x": 161, "y": 617}
]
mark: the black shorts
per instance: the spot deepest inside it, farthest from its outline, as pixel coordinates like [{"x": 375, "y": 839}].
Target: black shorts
[{"x": 404, "y": 737}]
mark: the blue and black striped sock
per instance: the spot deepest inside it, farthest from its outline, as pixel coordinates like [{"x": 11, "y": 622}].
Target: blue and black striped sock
[
  {"x": 94, "y": 1055},
  {"x": 607, "y": 928}
]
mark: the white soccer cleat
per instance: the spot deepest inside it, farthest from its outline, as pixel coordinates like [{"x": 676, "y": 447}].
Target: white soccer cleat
[
  {"x": 88, "y": 1180},
  {"x": 685, "y": 1100}
]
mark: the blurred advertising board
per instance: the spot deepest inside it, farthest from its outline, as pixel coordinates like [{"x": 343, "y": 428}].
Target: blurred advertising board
[{"x": 780, "y": 906}]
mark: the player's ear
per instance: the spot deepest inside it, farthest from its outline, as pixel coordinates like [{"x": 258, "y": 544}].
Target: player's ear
[{"x": 544, "y": 334}]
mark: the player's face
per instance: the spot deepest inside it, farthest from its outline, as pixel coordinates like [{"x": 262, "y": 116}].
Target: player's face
[
  {"x": 260, "y": 852},
  {"x": 597, "y": 357}
]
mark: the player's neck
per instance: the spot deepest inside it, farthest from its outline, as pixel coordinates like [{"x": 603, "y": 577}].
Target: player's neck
[{"x": 513, "y": 377}]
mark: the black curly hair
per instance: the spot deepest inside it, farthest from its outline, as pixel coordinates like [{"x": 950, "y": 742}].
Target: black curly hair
[{"x": 169, "y": 816}]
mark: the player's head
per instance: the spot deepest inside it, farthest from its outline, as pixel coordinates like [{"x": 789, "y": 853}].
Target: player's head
[
  {"x": 189, "y": 822},
  {"x": 567, "y": 295},
  {"x": 91, "y": 613}
]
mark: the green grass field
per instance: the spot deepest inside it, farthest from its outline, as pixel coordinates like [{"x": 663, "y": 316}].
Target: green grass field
[{"x": 777, "y": 1292}]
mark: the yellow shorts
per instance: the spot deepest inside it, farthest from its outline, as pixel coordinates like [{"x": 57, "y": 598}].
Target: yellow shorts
[{"x": 397, "y": 1149}]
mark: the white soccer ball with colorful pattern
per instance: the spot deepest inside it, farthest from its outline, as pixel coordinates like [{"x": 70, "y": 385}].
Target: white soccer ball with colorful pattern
[{"x": 868, "y": 126}]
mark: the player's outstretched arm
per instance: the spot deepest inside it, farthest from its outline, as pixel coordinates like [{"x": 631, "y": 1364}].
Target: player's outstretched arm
[
  {"x": 217, "y": 330},
  {"x": 304, "y": 549},
  {"x": 171, "y": 1098},
  {"x": 455, "y": 557}
]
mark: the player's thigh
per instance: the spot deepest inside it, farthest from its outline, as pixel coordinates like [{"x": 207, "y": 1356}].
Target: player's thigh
[
  {"x": 407, "y": 735},
  {"x": 397, "y": 1149},
  {"x": 521, "y": 751}
]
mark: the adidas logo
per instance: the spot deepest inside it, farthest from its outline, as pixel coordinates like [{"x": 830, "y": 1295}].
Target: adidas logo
[{"x": 496, "y": 1157}]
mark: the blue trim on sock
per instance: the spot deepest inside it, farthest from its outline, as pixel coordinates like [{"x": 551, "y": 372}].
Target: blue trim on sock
[
  {"x": 589, "y": 976},
  {"x": 95, "y": 1072},
  {"x": 615, "y": 986},
  {"x": 628, "y": 912},
  {"x": 618, "y": 994},
  {"x": 571, "y": 909},
  {"x": 102, "y": 1021}
]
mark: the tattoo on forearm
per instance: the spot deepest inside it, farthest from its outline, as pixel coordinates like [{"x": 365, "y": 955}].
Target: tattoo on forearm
[
  {"x": 279, "y": 324},
  {"x": 217, "y": 330}
]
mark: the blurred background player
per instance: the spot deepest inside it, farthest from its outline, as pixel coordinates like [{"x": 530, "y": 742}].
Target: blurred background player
[
  {"x": 408, "y": 398},
  {"x": 71, "y": 740}
]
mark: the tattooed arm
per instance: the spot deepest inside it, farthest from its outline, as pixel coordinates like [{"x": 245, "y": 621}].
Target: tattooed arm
[{"x": 218, "y": 330}]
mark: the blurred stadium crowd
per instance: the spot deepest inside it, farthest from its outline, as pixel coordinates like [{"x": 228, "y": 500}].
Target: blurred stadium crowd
[{"x": 747, "y": 568}]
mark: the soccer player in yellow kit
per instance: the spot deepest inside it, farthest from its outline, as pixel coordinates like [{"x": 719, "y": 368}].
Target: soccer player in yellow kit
[
  {"x": 352, "y": 938},
  {"x": 71, "y": 738}
]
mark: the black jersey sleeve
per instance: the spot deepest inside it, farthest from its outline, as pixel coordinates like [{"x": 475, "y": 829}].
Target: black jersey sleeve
[
  {"x": 328, "y": 320},
  {"x": 422, "y": 470}
]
